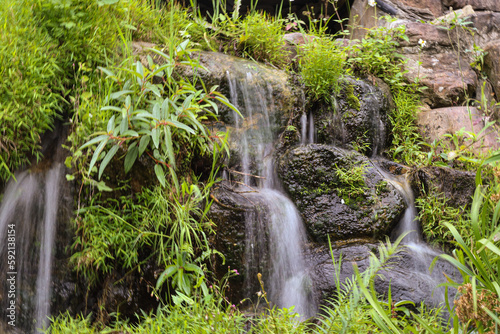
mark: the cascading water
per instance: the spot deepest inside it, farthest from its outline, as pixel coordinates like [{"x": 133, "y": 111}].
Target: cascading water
[
  {"x": 29, "y": 212},
  {"x": 288, "y": 280},
  {"x": 307, "y": 130},
  {"x": 419, "y": 254}
]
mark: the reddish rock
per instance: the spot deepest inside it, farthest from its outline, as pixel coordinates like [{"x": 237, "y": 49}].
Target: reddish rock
[
  {"x": 492, "y": 64},
  {"x": 448, "y": 77},
  {"x": 433, "y": 6},
  {"x": 493, "y": 5},
  {"x": 435, "y": 123}
]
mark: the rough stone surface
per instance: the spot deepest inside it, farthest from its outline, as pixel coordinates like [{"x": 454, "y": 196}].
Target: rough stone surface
[
  {"x": 228, "y": 212},
  {"x": 457, "y": 186},
  {"x": 447, "y": 85},
  {"x": 435, "y": 123},
  {"x": 309, "y": 176},
  {"x": 359, "y": 116},
  {"x": 408, "y": 274},
  {"x": 493, "y": 5},
  {"x": 487, "y": 25},
  {"x": 492, "y": 65}
]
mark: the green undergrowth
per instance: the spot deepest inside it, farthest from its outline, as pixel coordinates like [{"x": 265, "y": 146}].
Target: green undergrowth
[
  {"x": 43, "y": 46},
  {"x": 434, "y": 214}
]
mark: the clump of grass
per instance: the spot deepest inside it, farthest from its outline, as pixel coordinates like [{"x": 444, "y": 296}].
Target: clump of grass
[
  {"x": 322, "y": 66},
  {"x": 433, "y": 215}
]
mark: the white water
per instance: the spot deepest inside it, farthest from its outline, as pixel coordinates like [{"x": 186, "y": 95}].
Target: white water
[
  {"x": 421, "y": 254},
  {"x": 280, "y": 250},
  {"x": 307, "y": 130},
  {"x": 30, "y": 207}
]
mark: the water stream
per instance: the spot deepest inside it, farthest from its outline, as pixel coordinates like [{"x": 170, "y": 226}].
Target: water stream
[
  {"x": 280, "y": 232},
  {"x": 418, "y": 253},
  {"x": 28, "y": 215}
]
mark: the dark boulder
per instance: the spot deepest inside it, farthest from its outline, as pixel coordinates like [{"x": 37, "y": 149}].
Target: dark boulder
[{"x": 320, "y": 180}]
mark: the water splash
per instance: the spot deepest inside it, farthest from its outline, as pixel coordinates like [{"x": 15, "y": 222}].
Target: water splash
[{"x": 421, "y": 255}]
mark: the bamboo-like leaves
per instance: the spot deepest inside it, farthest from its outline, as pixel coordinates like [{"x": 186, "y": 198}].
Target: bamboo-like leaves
[{"x": 159, "y": 118}]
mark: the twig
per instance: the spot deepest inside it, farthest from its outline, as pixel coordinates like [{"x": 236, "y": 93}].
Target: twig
[
  {"x": 224, "y": 205},
  {"x": 236, "y": 172}
]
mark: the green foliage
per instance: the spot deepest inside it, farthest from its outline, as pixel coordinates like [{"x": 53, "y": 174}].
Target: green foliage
[
  {"x": 261, "y": 38},
  {"x": 377, "y": 54},
  {"x": 109, "y": 233},
  {"x": 201, "y": 316},
  {"x": 66, "y": 324},
  {"x": 434, "y": 213},
  {"x": 352, "y": 180},
  {"x": 406, "y": 140},
  {"x": 321, "y": 66},
  {"x": 31, "y": 78},
  {"x": 478, "y": 262},
  {"x": 164, "y": 120},
  {"x": 171, "y": 225},
  {"x": 41, "y": 44}
]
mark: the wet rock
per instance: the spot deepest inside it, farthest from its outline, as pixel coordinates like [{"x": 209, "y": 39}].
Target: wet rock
[
  {"x": 435, "y": 123},
  {"x": 407, "y": 274},
  {"x": 457, "y": 186},
  {"x": 328, "y": 205},
  {"x": 358, "y": 118},
  {"x": 229, "y": 212},
  {"x": 217, "y": 69}
]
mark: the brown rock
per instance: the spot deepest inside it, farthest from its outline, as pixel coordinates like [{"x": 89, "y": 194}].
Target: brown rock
[
  {"x": 435, "y": 123},
  {"x": 433, "y": 6},
  {"x": 449, "y": 77},
  {"x": 486, "y": 27},
  {"x": 493, "y": 5},
  {"x": 434, "y": 36},
  {"x": 492, "y": 65}
]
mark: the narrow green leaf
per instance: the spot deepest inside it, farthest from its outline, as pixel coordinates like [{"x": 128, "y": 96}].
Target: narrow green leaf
[
  {"x": 131, "y": 156},
  {"x": 160, "y": 174},
  {"x": 169, "y": 147},
  {"x": 117, "y": 95},
  {"x": 143, "y": 144},
  {"x": 93, "y": 141},
  {"x": 111, "y": 153},
  {"x": 169, "y": 271},
  {"x": 155, "y": 134},
  {"x": 111, "y": 108},
  {"x": 111, "y": 124},
  {"x": 97, "y": 152}
]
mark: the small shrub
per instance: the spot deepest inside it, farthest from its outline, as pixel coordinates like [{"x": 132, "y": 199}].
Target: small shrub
[{"x": 321, "y": 65}]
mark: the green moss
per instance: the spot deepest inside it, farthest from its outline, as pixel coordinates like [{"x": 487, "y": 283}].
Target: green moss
[{"x": 352, "y": 100}]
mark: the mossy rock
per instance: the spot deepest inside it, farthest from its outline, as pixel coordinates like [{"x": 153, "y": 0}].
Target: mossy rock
[
  {"x": 309, "y": 174},
  {"x": 359, "y": 116}
]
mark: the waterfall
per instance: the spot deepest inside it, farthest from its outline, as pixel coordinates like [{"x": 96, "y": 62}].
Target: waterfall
[
  {"x": 280, "y": 234},
  {"x": 419, "y": 254},
  {"x": 28, "y": 215},
  {"x": 307, "y": 130}
]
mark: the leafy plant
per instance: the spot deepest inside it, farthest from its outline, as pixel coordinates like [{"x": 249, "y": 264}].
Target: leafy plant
[
  {"x": 478, "y": 263},
  {"x": 352, "y": 180},
  {"x": 168, "y": 128},
  {"x": 406, "y": 140},
  {"x": 434, "y": 213},
  {"x": 321, "y": 66},
  {"x": 377, "y": 54}
]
